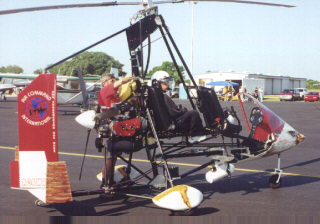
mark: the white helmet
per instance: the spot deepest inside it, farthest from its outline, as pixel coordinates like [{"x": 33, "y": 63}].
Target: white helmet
[{"x": 161, "y": 76}]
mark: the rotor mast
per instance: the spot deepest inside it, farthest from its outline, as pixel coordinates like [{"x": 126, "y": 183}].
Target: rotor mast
[{"x": 147, "y": 4}]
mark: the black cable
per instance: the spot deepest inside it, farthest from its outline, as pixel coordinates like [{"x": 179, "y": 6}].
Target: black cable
[
  {"x": 85, "y": 152},
  {"x": 148, "y": 60}
]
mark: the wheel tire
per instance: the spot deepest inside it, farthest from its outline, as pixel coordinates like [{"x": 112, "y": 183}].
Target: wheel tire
[
  {"x": 273, "y": 181},
  {"x": 38, "y": 202},
  {"x": 188, "y": 212},
  {"x": 106, "y": 197}
]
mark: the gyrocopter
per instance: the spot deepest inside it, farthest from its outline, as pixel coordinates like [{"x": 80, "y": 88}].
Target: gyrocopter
[{"x": 141, "y": 121}]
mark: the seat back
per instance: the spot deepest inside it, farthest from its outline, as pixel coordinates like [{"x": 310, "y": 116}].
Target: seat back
[
  {"x": 156, "y": 103},
  {"x": 210, "y": 107}
]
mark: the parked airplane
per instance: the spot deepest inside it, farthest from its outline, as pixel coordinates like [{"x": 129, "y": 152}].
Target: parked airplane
[
  {"x": 4, "y": 88},
  {"x": 67, "y": 86}
]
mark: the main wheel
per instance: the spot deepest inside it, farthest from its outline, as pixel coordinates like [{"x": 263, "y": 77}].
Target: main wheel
[
  {"x": 273, "y": 181},
  {"x": 187, "y": 212}
]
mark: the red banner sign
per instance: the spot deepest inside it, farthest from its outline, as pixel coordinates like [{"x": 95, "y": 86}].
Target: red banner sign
[{"x": 37, "y": 117}]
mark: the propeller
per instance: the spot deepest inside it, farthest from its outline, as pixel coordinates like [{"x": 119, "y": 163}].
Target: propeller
[{"x": 115, "y": 3}]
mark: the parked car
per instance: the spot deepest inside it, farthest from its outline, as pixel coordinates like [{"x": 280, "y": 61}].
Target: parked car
[
  {"x": 311, "y": 96},
  {"x": 175, "y": 92},
  {"x": 290, "y": 94},
  {"x": 303, "y": 92}
]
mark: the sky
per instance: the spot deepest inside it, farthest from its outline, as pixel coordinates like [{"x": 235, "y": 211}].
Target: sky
[{"x": 227, "y": 36}]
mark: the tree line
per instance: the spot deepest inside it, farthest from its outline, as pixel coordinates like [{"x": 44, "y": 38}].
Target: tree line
[
  {"x": 11, "y": 69},
  {"x": 313, "y": 84},
  {"x": 95, "y": 63},
  {"x": 98, "y": 63},
  {"x": 91, "y": 63}
]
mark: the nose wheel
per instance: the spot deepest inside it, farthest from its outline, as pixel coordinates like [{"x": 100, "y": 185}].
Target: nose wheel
[
  {"x": 275, "y": 180},
  {"x": 38, "y": 203}
]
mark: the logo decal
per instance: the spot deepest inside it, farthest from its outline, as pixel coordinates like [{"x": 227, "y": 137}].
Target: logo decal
[
  {"x": 36, "y": 113},
  {"x": 36, "y": 108}
]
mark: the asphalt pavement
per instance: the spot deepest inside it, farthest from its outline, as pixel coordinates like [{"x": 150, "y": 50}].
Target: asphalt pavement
[{"x": 246, "y": 194}]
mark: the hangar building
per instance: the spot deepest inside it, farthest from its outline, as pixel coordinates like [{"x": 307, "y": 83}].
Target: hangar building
[{"x": 272, "y": 84}]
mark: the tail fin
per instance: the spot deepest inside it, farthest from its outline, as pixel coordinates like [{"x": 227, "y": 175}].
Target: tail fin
[{"x": 38, "y": 141}]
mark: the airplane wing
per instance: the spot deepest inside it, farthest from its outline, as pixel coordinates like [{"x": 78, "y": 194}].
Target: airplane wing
[
  {"x": 5, "y": 87},
  {"x": 59, "y": 77},
  {"x": 65, "y": 95}
]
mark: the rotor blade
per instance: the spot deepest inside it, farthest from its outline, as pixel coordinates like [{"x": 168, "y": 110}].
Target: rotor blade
[
  {"x": 68, "y": 6},
  {"x": 240, "y": 1},
  {"x": 12, "y": 11}
]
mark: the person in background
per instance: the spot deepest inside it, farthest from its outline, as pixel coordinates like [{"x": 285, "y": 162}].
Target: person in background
[
  {"x": 229, "y": 93},
  {"x": 241, "y": 91},
  {"x": 220, "y": 94},
  {"x": 255, "y": 94},
  {"x": 261, "y": 94},
  {"x": 108, "y": 95}
]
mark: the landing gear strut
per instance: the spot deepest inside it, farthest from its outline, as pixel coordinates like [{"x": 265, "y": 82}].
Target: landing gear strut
[
  {"x": 3, "y": 96},
  {"x": 275, "y": 179}
]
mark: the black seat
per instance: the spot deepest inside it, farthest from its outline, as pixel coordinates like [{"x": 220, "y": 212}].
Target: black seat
[
  {"x": 213, "y": 113},
  {"x": 156, "y": 104},
  {"x": 210, "y": 107},
  {"x": 164, "y": 123}
]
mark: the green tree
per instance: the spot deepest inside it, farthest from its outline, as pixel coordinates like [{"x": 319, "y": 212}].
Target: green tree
[
  {"x": 91, "y": 63},
  {"x": 313, "y": 84},
  {"x": 38, "y": 71},
  {"x": 13, "y": 69},
  {"x": 3, "y": 69},
  {"x": 171, "y": 69}
]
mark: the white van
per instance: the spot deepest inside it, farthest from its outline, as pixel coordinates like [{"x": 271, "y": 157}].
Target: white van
[{"x": 303, "y": 92}]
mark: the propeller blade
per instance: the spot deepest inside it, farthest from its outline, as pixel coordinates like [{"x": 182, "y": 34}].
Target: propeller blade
[
  {"x": 240, "y": 1},
  {"x": 68, "y": 6}
]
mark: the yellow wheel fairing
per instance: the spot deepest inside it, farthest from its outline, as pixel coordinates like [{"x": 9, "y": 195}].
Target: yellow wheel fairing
[{"x": 180, "y": 197}]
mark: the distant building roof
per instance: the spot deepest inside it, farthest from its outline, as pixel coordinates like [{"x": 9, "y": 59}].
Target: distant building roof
[{"x": 245, "y": 75}]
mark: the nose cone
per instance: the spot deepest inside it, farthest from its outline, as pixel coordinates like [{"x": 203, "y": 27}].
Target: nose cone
[
  {"x": 286, "y": 139},
  {"x": 300, "y": 137},
  {"x": 86, "y": 119}
]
